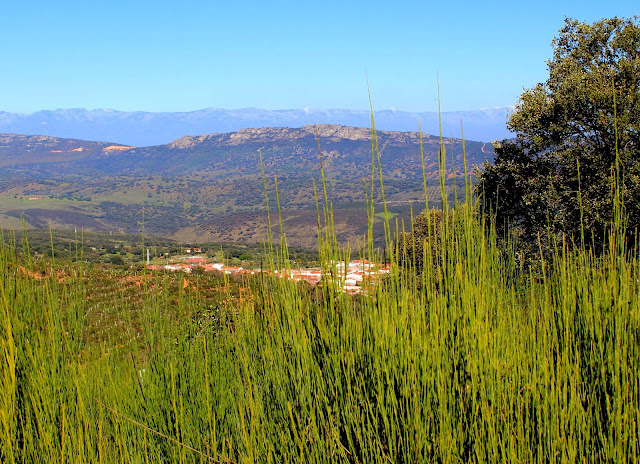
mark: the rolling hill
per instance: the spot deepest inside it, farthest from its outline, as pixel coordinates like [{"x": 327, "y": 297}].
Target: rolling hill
[{"x": 210, "y": 187}]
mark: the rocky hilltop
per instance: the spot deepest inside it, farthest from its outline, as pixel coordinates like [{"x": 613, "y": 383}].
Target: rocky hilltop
[
  {"x": 284, "y": 150},
  {"x": 333, "y": 132}
]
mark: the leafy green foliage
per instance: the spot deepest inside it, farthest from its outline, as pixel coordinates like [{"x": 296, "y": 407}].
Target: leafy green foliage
[
  {"x": 578, "y": 140},
  {"x": 421, "y": 247}
]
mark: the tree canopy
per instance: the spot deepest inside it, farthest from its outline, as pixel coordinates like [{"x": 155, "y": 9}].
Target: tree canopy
[
  {"x": 577, "y": 139},
  {"x": 423, "y": 241}
]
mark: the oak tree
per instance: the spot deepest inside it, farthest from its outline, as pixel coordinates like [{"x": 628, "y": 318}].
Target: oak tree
[{"x": 577, "y": 140}]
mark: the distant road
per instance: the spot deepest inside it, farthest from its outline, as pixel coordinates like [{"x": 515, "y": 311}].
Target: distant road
[{"x": 389, "y": 202}]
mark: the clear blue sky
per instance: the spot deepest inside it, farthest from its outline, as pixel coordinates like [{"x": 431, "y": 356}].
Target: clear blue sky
[{"x": 187, "y": 55}]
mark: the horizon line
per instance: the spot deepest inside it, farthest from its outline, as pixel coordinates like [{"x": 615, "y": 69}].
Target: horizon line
[{"x": 305, "y": 109}]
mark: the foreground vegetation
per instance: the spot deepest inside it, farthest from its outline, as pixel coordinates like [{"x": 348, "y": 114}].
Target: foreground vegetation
[
  {"x": 480, "y": 360},
  {"x": 130, "y": 250}
]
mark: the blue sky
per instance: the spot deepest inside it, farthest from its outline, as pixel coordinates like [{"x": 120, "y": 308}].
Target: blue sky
[{"x": 182, "y": 56}]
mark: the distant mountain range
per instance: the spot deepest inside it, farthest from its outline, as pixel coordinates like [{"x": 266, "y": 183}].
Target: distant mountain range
[{"x": 141, "y": 128}]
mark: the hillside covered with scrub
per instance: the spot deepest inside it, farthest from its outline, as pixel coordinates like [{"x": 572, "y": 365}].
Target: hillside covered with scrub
[{"x": 210, "y": 187}]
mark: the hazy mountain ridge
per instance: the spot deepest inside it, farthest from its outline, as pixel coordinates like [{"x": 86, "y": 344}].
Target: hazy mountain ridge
[{"x": 141, "y": 128}]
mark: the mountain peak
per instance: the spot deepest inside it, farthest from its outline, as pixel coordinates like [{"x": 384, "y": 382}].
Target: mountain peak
[
  {"x": 340, "y": 131},
  {"x": 189, "y": 141}
]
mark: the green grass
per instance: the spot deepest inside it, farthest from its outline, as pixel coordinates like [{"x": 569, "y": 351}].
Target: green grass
[
  {"x": 476, "y": 360},
  {"x": 7, "y": 202},
  {"x": 386, "y": 216}
]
